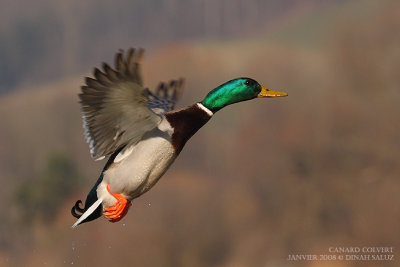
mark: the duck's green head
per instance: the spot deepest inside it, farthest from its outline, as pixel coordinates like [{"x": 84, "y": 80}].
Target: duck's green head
[{"x": 236, "y": 90}]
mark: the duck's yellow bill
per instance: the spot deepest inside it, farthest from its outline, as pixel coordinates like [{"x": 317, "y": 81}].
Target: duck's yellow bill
[{"x": 265, "y": 92}]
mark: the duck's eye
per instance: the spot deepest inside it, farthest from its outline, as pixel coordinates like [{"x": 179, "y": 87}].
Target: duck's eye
[{"x": 249, "y": 82}]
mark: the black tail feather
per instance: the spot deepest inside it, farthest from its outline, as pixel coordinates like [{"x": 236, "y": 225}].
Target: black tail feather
[{"x": 77, "y": 208}]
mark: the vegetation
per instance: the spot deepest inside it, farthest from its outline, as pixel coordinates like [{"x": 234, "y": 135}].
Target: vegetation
[
  {"x": 41, "y": 196},
  {"x": 46, "y": 40}
]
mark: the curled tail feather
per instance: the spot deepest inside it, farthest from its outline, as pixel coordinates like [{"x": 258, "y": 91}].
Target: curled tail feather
[
  {"x": 91, "y": 213},
  {"x": 76, "y": 208}
]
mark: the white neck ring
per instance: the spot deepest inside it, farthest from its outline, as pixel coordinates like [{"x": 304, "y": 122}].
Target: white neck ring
[{"x": 201, "y": 106}]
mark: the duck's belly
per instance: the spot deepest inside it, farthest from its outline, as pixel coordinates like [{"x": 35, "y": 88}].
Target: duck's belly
[{"x": 139, "y": 171}]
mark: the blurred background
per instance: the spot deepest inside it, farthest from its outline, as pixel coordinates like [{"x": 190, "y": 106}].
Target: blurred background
[{"x": 262, "y": 180}]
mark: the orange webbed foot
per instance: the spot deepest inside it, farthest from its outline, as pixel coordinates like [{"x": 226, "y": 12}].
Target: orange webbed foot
[{"x": 119, "y": 210}]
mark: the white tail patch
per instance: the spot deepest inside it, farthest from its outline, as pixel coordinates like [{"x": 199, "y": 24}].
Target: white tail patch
[{"x": 89, "y": 211}]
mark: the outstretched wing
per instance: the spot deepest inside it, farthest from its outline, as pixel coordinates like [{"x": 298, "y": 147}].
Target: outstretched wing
[
  {"x": 165, "y": 97},
  {"x": 114, "y": 106}
]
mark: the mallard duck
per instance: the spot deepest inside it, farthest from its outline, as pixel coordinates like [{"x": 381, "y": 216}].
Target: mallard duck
[{"x": 140, "y": 131}]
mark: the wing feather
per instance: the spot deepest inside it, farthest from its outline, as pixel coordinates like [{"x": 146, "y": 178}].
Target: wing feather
[
  {"x": 114, "y": 105},
  {"x": 166, "y": 96}
]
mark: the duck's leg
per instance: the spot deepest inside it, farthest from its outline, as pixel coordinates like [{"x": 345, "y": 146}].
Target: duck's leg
[{"x": 119, "y": 210}]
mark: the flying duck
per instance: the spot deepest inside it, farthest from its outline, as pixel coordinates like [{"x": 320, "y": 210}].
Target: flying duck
[{"x": 140, "y": 131}]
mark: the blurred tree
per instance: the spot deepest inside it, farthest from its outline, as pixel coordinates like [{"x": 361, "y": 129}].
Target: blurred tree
[
  {"x": 41, "y": 197},
  {"x": 48, "y": 40}
]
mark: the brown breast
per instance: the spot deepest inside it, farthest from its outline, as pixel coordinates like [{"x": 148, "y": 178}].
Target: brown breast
[{"x": 186, "y": 122}]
